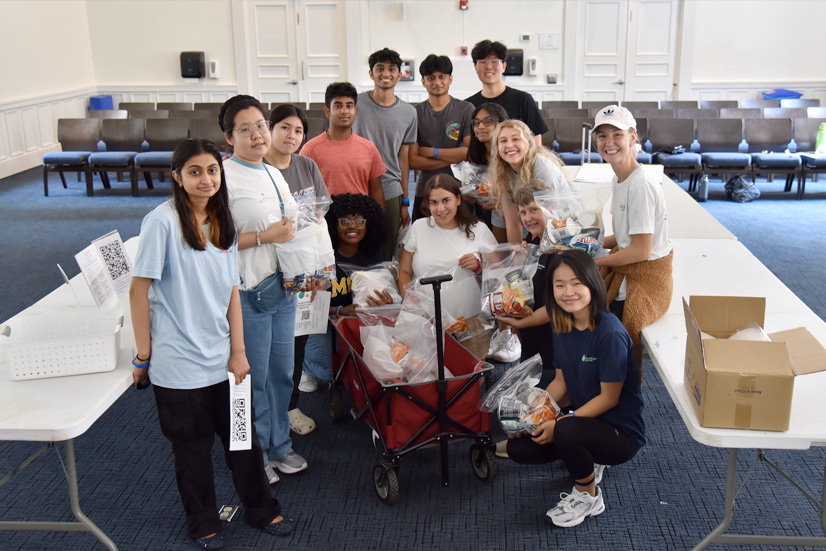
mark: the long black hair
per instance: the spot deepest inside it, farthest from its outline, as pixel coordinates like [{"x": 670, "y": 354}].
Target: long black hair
[
  {"x": 221, "y": 227},
  {"x": 586, "y": 271},
  {"x": 477, "y": 152},
  {"x": 348, "y": 204},
  {"x": 464, "y": 217}
]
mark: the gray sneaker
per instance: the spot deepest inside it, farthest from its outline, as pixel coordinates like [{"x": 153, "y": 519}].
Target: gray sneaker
[
  {"x": 272, "y": 476},
  {"x": 290, "y": 463},
  {"x": 575, "y": 507}
]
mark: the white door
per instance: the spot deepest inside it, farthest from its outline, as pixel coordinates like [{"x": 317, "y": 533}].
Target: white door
[
  {"x": 289, "y": 51},
  {"x": 625, "y": 49}
]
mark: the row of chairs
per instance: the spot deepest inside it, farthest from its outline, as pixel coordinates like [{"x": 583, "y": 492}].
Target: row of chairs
[
  {"x": 685, "y": 104},
  {"x": 189, "y": 106},
  {"x": 699, "y": 113},
  {"x": 712, "y": 146},
  {"x": 122, "y": 145}
]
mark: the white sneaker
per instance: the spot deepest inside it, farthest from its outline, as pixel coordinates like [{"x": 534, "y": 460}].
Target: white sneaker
[
  {"x": 272, "y": 476},
  {"x": 511, "y": 348},
  {"x": 308, "y": 383},
  {"x": 496, "y": 343},
  {"x": 575, "y": 507},
  {"x": 502, "y": 449},
  {"x": 598, "y": 472}
]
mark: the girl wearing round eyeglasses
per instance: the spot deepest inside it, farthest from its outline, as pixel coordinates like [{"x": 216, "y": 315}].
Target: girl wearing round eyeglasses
[
  {"x": 483, "y": 121},
  {"x": 262, "y": 207}
]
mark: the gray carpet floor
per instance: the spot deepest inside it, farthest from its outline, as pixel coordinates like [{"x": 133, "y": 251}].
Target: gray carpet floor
[{"x": 666, "y": 498}]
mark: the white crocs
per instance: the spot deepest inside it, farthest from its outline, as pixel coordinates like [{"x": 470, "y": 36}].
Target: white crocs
[{"x": 300, "y": 423}]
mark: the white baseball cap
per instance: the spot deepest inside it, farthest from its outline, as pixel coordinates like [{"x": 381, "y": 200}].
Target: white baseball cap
[{"x": 617, "y": 116}]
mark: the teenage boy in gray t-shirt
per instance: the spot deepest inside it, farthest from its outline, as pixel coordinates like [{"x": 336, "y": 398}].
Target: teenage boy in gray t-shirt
[
  {"x": 390, "y": 124},
  {"x": 444, "y": 127}
]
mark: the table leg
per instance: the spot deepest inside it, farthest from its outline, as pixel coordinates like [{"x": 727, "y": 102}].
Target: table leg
[{"x": 731, "y": 478}]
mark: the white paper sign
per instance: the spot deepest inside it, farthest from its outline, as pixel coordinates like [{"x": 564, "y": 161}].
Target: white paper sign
[
  {"x": 107, "y": 269},
  {"x": 311, "y": 316},
  {"x": 240, "y": 418}
]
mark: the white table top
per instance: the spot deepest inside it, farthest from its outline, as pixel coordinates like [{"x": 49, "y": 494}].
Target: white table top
[
  {"x": 60, "y": 408},
  {"x": 725, "y": 267},
  {"x": 686, "y": 218}
]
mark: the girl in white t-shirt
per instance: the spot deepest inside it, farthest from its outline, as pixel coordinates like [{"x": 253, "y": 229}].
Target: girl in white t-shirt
[
  {"x": 642, "y": 258},
  {"x": 448, "y": 239},
  {"x": 518, "y": 161}
]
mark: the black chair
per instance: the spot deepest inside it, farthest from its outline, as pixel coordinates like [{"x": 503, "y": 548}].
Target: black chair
[
  {"x": 784, "y": 112},
  {"x": 549, "y": 137},
  {"x": 175, "y": 105},
  {"x": 208, "y": 129},
  {"x": 316, "y": 105},
  {"x": 741, "y": 113},
  {"x": 633, "y": 105},
  {"x": 665, "y": 135},
  {"x": 596, "y": 104},
  {"x": 154, "y": 114},
  {"x": 768, "y": 140},
  {"x": 78, "y": 138},
  {"x": 564, "y": 104},
  {"x": 800, "y": 103},
  {"x": 568, "y": 133},
  {"x": 759, "y": 103},
  {"x": 694, "y": 113},
  {"x": 109, "y": 114},
  {"x": 566, "y": 113},
  {"x": 654, "y": 113},
  {"x": 718, "y": 103},
  {"x": 215, "y": 106},
  {"x": 195, "y": 114},
  {"x": 162, "y": 137},
  {"x": 679, "y": 104},
  {"x": 136, "y": 105},
  {"x": 721, "y": 141},
  {"x": 805, "y": 134},
  {"x": 316, "y": 126},
  {"x": 124, "y": 140}
]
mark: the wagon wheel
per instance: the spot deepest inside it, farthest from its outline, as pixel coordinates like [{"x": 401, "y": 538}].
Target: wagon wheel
[
  {"x": 483, "y": 461},
  {"x": 387, "y": 482},
  {"x": 335, "y": 403}
]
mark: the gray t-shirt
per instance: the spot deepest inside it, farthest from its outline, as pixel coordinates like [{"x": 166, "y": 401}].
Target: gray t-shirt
[
  {"x": 444, "y": 129},
  {"x": 389, "y": 128},
  {"x": 304, "y": 178}
]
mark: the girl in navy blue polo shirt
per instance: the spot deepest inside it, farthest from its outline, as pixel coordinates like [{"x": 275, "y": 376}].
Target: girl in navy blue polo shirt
[{"x": 596, "y": 370}]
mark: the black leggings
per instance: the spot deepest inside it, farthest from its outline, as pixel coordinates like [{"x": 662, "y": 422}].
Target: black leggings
[{"x": 579, "y": 442}]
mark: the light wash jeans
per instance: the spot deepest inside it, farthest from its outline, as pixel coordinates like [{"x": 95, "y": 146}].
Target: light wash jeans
[
  {"x": 269, "y": 338},
  {"x": 318, "y": 356}
]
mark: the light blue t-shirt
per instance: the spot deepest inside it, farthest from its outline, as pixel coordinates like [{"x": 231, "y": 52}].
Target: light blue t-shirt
[{"x": 188, "y": 302}]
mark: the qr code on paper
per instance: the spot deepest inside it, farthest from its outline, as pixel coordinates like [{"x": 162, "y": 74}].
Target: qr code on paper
[
  {"x": 305, "y": 315},
  {"x": 115, "y": 259},
  {"x": 239, "y": 419}
]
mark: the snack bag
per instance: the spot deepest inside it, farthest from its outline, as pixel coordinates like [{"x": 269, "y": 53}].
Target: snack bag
[
  {"x": 364, "y": 282},
  {"x": 309, "y": 255},
  {"x": 574, "y": 219},
  {"x": 475, "y": 183},
  {"x": 507, "y": 288}
]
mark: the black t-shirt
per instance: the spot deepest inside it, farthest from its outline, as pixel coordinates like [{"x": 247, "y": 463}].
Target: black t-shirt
[
  {"x": 341, "y": 293},
  {"x": 518, "y": 105},
  {"x": 539, "y": 339}
]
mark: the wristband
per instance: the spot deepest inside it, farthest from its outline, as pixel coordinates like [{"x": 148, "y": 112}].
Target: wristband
[
  {"x": 405, "y": 202},
  {"x": 436, "y": 153},
  {"x": 258, "y": 238},
  {"x": 571, "y": 414},
  {"x": 143, "y": 365}
]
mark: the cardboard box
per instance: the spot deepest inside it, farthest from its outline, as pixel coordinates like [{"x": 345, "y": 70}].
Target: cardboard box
[{"x": 743, "y": 384}]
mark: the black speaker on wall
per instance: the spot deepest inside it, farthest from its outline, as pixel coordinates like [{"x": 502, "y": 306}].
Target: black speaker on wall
[
  {"x": 193, "y": 65},
  {"x": 516, "y": 62}
]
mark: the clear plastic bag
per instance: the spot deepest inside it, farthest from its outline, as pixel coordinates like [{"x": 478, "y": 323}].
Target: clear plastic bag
[
  {"x": 365, "y": 282},
  {"x": 475, "y": 183},
  {"x": 507, "y": 281},
  {"x": 309, "y": 255},
  {"x": 573, "y": 219},
  {"x": 519, "y": 405}
]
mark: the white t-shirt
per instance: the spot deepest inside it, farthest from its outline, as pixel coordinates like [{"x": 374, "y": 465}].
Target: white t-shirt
[
  {"x": 437, "y": 251},
  {"x": 188, "y": 302},
  {"x": 638, "y": 207},
  {"x": 255, "y": 204}
]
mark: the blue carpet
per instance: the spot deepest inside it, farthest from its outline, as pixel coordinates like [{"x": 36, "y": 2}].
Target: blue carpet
[{"x": 667, "y": 498}]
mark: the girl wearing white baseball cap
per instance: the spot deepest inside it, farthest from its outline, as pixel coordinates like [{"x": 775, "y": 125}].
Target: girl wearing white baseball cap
[{"x": 638, "y": 270}]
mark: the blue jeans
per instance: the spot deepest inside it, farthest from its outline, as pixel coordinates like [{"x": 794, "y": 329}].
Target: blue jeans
[
  {"x": 268, "y": 337},
  {"x": 318, "y": 356}
]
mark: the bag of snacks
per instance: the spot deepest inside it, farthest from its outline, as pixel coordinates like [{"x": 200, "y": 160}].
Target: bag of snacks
[
  {"x": 507, "y": 286},
  {"x": 309, "y": 255},
  {"x": 519, "y": 405},
  {"x": 365, "y": 282},
  {"x": 573, "y": 219},
  {"x": 475, "y": 183}
]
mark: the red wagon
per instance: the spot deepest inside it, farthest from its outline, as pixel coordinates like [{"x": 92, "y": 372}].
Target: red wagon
[{"x": 405, "y": 417}]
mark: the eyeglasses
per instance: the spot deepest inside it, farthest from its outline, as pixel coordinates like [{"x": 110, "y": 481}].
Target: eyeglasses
[
  {"x": 261, "y": 127},
  {"x": 488, "y": 62},
  {"x": 345, "y": 223},
  {"x": 484, "y": 122}
]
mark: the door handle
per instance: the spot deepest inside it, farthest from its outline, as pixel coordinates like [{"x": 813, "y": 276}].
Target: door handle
[
  {"x": 293, "y": 82},
  {"x": 620, "y": 82}
]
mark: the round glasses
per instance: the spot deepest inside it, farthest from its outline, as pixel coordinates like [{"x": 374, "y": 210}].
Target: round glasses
[
  {"x": 484, "y": 122},
  {"x": 345, "y": 223},
  {"x": 261, "y": 127}
]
